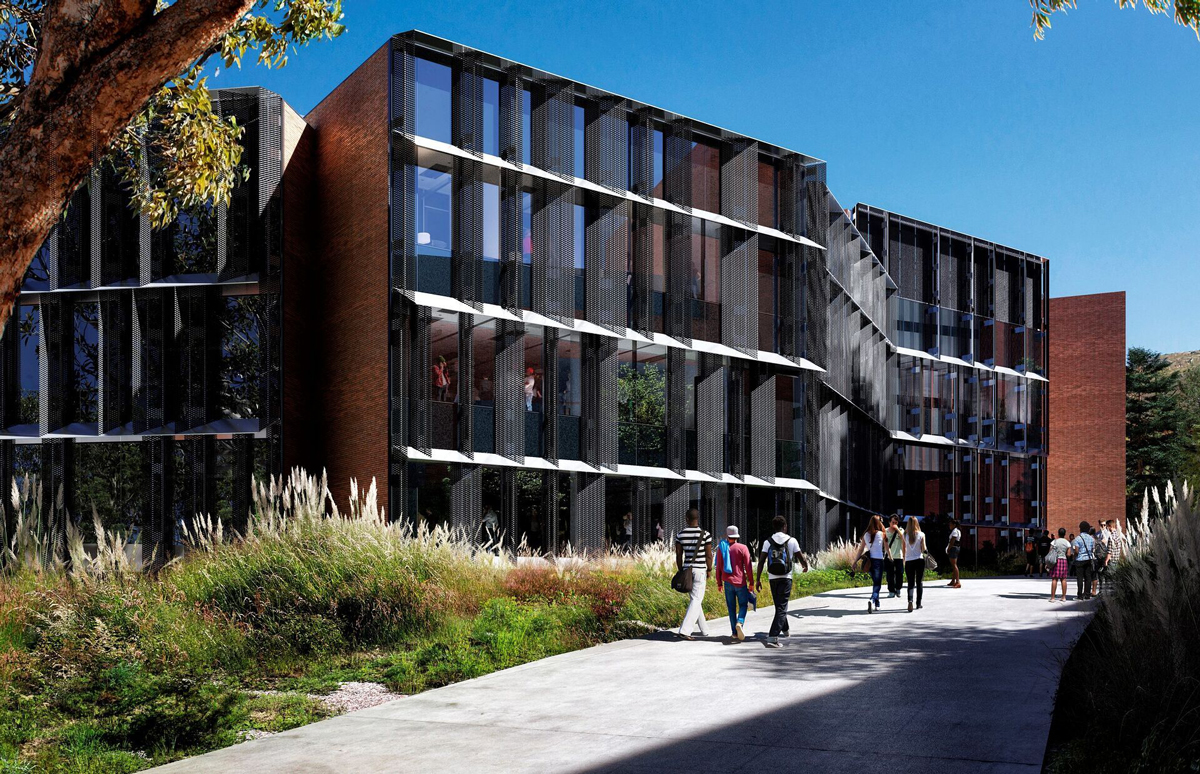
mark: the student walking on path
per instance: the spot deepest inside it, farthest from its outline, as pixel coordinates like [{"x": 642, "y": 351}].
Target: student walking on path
[
  {"x": 693, "y": 549},
  {"x": 1057, "y": 559},
  {"x": 895, "y": 557},
  {"x": 953, "y": 547},
  {"x": 914, "y": 560},
  {"x": 872, "y": 549},
  {"x": 779, "y": 553},
  {"x": 1116, "y": 549},
  {"x": 1043, "y": 552},
  {"x": 1084, "y": 551},
  {"x": 733, "y": 577}
]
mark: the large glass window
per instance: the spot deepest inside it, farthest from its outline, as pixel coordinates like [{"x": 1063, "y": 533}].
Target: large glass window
[
  {"x": 570, "y": 395},
  {"x": 192, "y": 241},
  {"x": 526, "y": 250},
  {"x": 483, "y": 396},
  {"x": 657, "y": 170},
  {"x": 29, "y": 342},
  {"x": 768, "y": 282},
  {"x": 789, "y": 427},
  {"x": 86, "y": 361},
  {"x": 491, "y": 243},
  {"x": 579, "y": 252},
  {"x": 706, "y": 177},
  {"x": 433, "y": 215},
  {"x": 429, "y": 491},
  {"x": 642, "y": 404},
  {"x": 242, "y": 321},
  {"x": 534, "y": 386},
  {"x": 443, "y": 354},
  {"x": 108, "y": 479},
  {"x": 579, "y": 119},
  {"x": 768, "y": 213},
  {"x": 433, "y": 100},
  {"x": 526, "y": 126},
  {"x": 491, "y": 117}
]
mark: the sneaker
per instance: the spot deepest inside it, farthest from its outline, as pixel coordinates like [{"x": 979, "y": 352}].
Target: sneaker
[
  {"x": 870, "y": 609},
  {"x": 785, "y": 634},
  {"x": 741, "y": 635},
  {"x": 774, "y": 644}
]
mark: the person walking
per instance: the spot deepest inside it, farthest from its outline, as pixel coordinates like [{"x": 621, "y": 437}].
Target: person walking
[
  {"x": 1083, "y": 549},
  {"x": 1056, "y": 557},
  {"x": 779, "y": 553},
  {"x": 733, "y": 577},
  {"x": 693, "y": 550},
  {"x": 914, "y": 560},
  {"x": 953, "y": 548},
  {"x": 1043, "y": 552},
  {"x": 1031, "y": 557},
  {"x": 1103, "y": 540},
  {"x": 872, "y": 549},
  {"x": 894, "y": 560}
]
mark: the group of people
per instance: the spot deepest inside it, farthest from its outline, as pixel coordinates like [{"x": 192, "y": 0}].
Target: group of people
[
  {"x": 1090, "y": 556},
  {"x": 902, "y": 554}
]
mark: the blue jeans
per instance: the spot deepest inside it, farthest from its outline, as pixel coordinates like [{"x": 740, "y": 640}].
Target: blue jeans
[
  {"x": 876, "y": 579},
  {"x": 737, "y": 599}
]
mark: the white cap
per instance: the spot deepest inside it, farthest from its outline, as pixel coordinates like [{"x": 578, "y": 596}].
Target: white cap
[{"x": 731, "y": 531}]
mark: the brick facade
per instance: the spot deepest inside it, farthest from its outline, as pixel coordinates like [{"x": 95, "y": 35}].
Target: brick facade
[
  {"x": 352, "y": 242},
  {"x": 1087, "y": 410}
]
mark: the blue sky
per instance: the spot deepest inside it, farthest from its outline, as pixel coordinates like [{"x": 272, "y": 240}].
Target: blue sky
[{"x": 1084, "y": 148}]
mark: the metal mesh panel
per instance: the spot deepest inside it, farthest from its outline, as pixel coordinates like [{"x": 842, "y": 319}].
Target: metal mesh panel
[
  {"x": 468, "y": 231},
  {"x": 675, "y": 506},
  {"x": 676, "y": 409},
  {"x": 793, "y": 207},
  {"x": 7, "y": 461},
  {"x": 607, "y": 250},
  {"x": 553, "y": 127},
  {"x": 679, "y": 276},
  {"x": 511, "y": 249},
  {"x": 510, "y": 390},
  {"x": 762, "y": 430},
  {"x": 737, "y": 510},
  {"x": 714, "y": 504},
  {"x": 403, "y": 87},
  {"x": 710, "y": 419},
  {"x": 587, "y": 518},
  {"x": 10, "y": 386},
  {"x": 398, "y": 349},
  {"x": 403, "y": 191},
  {"x": 677, "y": 164},
  {"x": 399, "y": 492},
  {"x": 736, "y": 420},
  {"x": 811, "y": 402},
  {"x": 468, "y": 105},
  {"x": 641, "y": 155},
  {"x": 58, "y": 473},
  {"x": 240, "y": 220},
  {"x": 600, "y": 434},
  {"x": 509, "y": 499},
  {"x": 643, "y": 269},
  {"x": 419, "y": 432},
  {"x": 115, "y": 370},
  {"x": 1004, "y": 287},
  {"x": 550, "y": 498},
  {"x": 606, "y": 146},
  {"x": 553, "y": 252},
  {"x": 466, "y": 378},
  {"x": 550, "y": 394},
  {"x": 194, "y": 365},
  {"x": 150, "y": 361},
  {"x": 55, "y": 375},
  {"x": 791, "y": 300},
  {"x": 641, "y": 510},
  {"x": 466, "y": 498},
  {"x": 739, "y": 182},
  {"x": 159, "y": 527},
  {"x": 243, "y": 481},
  {"x": 510, "y": 117},
  {"x": 816, "y": 306},
  {"x": 739, "y": 296}
]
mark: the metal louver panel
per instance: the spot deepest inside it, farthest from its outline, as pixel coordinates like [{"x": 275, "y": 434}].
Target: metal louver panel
[
  {"x": 159, "y": 526},
  {"x": 550, "y": 394},
  {"x": 676, "y": 409},
  {"x": 10, "y": 378},
  {"x": 511, "y": 142},
  {"x": 403, "y": 216},
  {"x": 737, "y": 513},
  {"x": 641, "y": 155},
  {"x": 606, "y": 146},
  {"x": 195, "y": 366},
  {"x": 791, "y": 300},
  {"x": 55, "y": 374},
  {"x": 601, "y": 431},
  {"x": 116, "y": 371},
  {"x": 466, "y": 499},
  {"x": 643, "y": 269},
  {"x": 679, "y": 276},
  {"x": 553, "y": 269},
  {"x": 419, "y": 384},
  {"x": 811, "y": 401},
  {"x": 677, "y": 164},
  {"x": 403, "y": 87},
  {"x": 607, "y": 250},
  {"x": 736, "y": 421},
  {"x": 509, "y": 500},
  {"x": 511, "y": 249},
  {"x": 714, "y": 506},
  {"x": 675, "y": 506},
  {"x": 468, "y": 105},
  {"x": 816, "y": 306},
  {"x": 739, "y": 182},
  {"x": 553, "y": 127},
  {"x": 399, "y": 361},
  {"x": 762, "y": 430},
  {"x": 550, "y": 497},
  {"x": 641, "y": 510},
  {"x": 816, "y": 202},
  {"x": 465, "y": 402},
  {"x": 587, "y": 518},
  {"x": 150, "y": 361},
  {"x": 510, "y": 390},
  {"x": 710, "y": 419},
  {"x": 739, "y": 297},
  {"x": 468, "y": 232},
  {"x": 399, "y": 493}
]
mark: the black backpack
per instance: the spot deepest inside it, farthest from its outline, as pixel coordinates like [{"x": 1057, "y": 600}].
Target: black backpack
[{"x": 778, "y": 561}]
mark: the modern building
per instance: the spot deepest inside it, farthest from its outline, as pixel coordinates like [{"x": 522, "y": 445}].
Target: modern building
[
  {"x": 140, "y": 371},
  {"x": 494, "y": 290}
]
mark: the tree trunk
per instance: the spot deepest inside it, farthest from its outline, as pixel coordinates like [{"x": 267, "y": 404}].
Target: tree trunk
[{"x": 98, "y": 64}]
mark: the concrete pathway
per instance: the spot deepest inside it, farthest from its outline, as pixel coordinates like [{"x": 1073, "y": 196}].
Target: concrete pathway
[{"x": 964, "y": 685}]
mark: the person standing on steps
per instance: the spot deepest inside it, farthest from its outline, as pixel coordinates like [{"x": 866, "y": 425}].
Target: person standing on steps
[
  {"x": 953, "y": 548},
  {"x": 1057, "y": 559},
  {"x": 895, "y": 557},
  {"x": 1083, "y": 549},
  {"x": 914, "y": 560},
  {"x": 779, "y": 553},
  {"x": 872, "y": 549},
  {"x": 733, "y": 577},
  {"x": 694, "y": 550}
]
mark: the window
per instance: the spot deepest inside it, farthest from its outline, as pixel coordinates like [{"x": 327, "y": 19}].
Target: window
[
  {"x": 429, "y": 487},
  {"x": 37, "y": 276},
  {"x": 192, "y": 241},
  {"x": 526, "y": 126},
  {"x": 767, "y": 194},
  {"x": 491, "y": 117},
  {"x": 580, "y": 120},
  {"x": 570, "y": 395},
  {"x": 656, "y": 182},
  {"x": 642, "y": 404},
  {"x": 491, "y": 242},
  {"x": 433, "y": 100},
  {"x": 85, "y": 362},
  {"x": 706, "y": 177},
  {"x": 534, "y": 384},
  {"x": 433, "y": 216},
  {"x": 443, "y": 388},
  {"x": 29, "y": 342},
  {"x": 108, "y": 478},
  {"x": 483, "y": 341},
  {"x": 767, "y": 298},
  {"x": 580, "y": 259},
  {"x": 241, "y": 358},
  {"x": 526, "y": 250}
]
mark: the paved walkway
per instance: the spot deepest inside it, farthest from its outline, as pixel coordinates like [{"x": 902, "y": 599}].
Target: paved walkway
[{"x": 964, "y": 685}]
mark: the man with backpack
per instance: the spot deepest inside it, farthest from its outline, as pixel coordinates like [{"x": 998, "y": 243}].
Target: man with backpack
[
  {"x": 779, "y": 553},
  {"x": 1043, "y": 551}
]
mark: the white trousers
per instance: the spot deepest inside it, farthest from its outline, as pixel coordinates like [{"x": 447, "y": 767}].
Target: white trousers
[{"x": 695, "y": 610}]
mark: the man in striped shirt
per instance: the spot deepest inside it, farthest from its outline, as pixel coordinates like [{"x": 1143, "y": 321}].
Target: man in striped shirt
[{"x": 693, "y": 549}]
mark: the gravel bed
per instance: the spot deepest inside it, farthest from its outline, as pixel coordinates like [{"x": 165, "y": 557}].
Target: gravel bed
[{"x": 347, "y": 698}]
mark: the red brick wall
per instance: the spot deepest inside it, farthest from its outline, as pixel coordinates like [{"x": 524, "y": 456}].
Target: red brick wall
[
  {"x": 1086, "y": 467},
  {"x": 352, "y": 253}
]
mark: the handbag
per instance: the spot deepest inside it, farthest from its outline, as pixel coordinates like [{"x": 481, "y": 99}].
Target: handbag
[{"x": 930, "y": 562}]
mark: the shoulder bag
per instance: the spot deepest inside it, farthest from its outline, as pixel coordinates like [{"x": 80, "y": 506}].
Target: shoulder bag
[{"x": 682, "y": 580}]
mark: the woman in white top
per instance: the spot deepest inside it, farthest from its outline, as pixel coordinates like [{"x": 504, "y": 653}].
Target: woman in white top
[
  {"x": 872, "y": 547},
  {"x": 914, "y": 560},
  {"x": 953, "y": 547},
  {"x": 1057, "y": 559}
]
